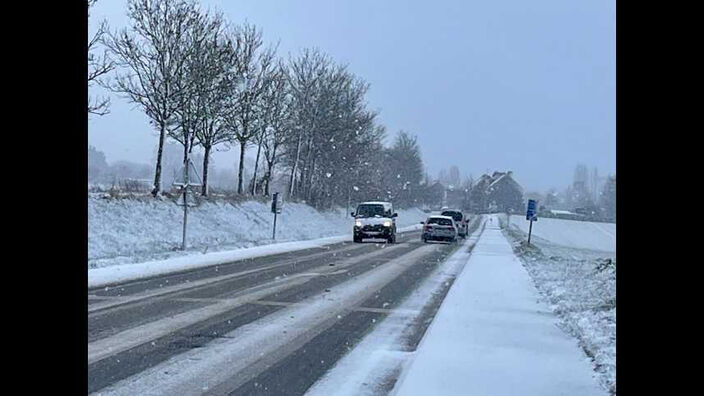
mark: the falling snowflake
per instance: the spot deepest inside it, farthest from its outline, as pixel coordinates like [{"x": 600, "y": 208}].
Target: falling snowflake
[
  {"x": 355, "y": 188},
  {"x": 328, "y": 174}
]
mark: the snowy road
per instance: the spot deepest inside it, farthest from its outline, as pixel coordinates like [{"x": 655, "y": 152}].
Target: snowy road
[{"x": 271, "y": 325}]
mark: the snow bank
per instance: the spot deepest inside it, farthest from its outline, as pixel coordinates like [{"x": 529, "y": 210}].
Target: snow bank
[
  {"x": 122, "y": 232},
  {"x": 571, "y": 233},
  {"x": 580, "y": 287}
]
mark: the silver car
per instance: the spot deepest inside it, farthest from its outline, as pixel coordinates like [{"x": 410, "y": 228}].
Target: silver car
[
  {"x": 439, "y": 228},
  {"x": 461, "y": 221}
]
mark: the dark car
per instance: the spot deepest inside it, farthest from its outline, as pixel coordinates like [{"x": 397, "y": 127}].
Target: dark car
[{"x": 461, "y": 221}]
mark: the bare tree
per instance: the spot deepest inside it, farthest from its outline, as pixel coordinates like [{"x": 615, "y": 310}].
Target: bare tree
[
  {"x": 305, "y": 74},
  {"x": 98, "y": 66},
  {"x": 201, "y": 107},
  {"x": 266, "y": 107},
  {"x": 152, "y": 53},
  {"x": 250, "y": 80},
  {"x": 278, "y": 120}
]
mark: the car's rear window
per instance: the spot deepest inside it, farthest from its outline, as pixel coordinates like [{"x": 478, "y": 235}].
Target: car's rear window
[
  {"x": 457, "y": 216},
  {"x": 439, "y": 221}
]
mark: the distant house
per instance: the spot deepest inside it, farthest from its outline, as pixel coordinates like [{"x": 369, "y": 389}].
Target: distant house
[
  {"x": 477, "y": 195},
  {"x": 498, "y": 192}
]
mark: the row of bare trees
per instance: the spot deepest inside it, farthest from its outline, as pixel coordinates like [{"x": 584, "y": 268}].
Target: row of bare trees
[{"x": 204, "y": 82}]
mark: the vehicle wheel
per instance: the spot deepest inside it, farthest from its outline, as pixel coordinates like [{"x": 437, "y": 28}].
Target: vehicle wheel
[
  {"x": 357, "y": 239},
  {"x": 424, "y": 240}
]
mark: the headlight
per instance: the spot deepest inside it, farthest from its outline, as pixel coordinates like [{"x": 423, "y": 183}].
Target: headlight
[
  {"x": 387, "y": 224},
  {"x": 357, "y": 223}
]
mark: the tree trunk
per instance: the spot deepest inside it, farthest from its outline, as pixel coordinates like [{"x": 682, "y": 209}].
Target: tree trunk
[
  {"x": 206, "y": 158},
  {"x": 295, "y": 165},
  {"x": 270, "y": 169},
  {"x": 256, "y": 167},
  {"x": 267, "y": 177},
  {"x": 306, "y": 175},
  {"x": 311, "y": 173},
  {"x": 240, "y": 174},
  {"x": 157, "y": 173}
]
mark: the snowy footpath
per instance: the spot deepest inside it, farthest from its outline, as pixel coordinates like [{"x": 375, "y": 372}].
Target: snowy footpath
[{"x": 493, "y": 336}]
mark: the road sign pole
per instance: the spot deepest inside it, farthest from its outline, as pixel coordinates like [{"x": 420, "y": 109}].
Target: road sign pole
[
  {"x": 530, "y": 230},
  {"x": 185, "y": 203},
  {"x": 275, "y": 209},
  {"x": 273, "y": 235}
]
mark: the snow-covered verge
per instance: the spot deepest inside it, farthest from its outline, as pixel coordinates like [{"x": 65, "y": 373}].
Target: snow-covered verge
[
  {"x": 571, "y": 233},
  {"x": 493, "y": 336},
  {"x": 373, "y": 364},
  {"x": 126, "y": 231},
  {"x": 580, "y": 287}
]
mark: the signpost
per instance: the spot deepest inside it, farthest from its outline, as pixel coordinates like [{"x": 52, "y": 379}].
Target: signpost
[
  {"x": 187, "y": 191},
  {"x": 276, "y": 205},
  {"x": 531, "y": 215}
]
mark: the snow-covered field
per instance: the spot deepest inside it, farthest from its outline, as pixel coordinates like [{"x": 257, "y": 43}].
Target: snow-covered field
[
  {"x": 571, "y": 233},
  {"x": 579, "y": 284},
  {"x": 125, "y": 231}
]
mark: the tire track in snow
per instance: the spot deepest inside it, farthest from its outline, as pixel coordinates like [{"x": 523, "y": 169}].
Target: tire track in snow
[{"x": 198, "y": 370}]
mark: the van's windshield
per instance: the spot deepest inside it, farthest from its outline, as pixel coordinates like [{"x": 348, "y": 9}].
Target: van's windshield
[{"x": 370, "y": 210}]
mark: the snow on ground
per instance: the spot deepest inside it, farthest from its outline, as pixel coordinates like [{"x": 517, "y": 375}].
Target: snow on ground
[
  {"x": 571, "y": 233},
  {"x": 134, "y": 238},
  {"x": 580, "y": 287},
  {"x": 366, "y": 369},
  {"x": 491, "y": 335}
]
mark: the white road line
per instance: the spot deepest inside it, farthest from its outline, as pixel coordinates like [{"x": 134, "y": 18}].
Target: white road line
[
  {"x": 130, "y": 338},
  {"x": 199, "y": 370},
  {"x": 121, "y": 300},
  {"x": 358, "y": 309},
  {"x": 96, "y": 297},
  {"x": 105, "y": 347}
]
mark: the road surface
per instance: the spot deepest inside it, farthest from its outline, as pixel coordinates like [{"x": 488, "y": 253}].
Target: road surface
[{"x": 267, "y": 325}]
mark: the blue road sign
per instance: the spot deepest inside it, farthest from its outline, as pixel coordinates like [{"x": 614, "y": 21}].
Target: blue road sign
[{"x": 531, "y": 210}]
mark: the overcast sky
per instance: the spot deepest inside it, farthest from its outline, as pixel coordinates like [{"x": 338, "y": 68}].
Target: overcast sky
[{"x": 527, "y": 86}]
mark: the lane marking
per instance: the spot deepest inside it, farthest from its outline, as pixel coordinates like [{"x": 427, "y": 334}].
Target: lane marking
[
  {"x": 135, "y": 336},
  {"x": 196, "y": 370},
  {"x": 147, "y": 294},
  {"x": 130, "y": 338},
  {"x": 114, "y": 301},
  {"x": 356, "y": 309}
]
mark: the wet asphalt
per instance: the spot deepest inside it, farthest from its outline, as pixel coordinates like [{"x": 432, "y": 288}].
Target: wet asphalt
[{"x": 297, "y": 275}]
